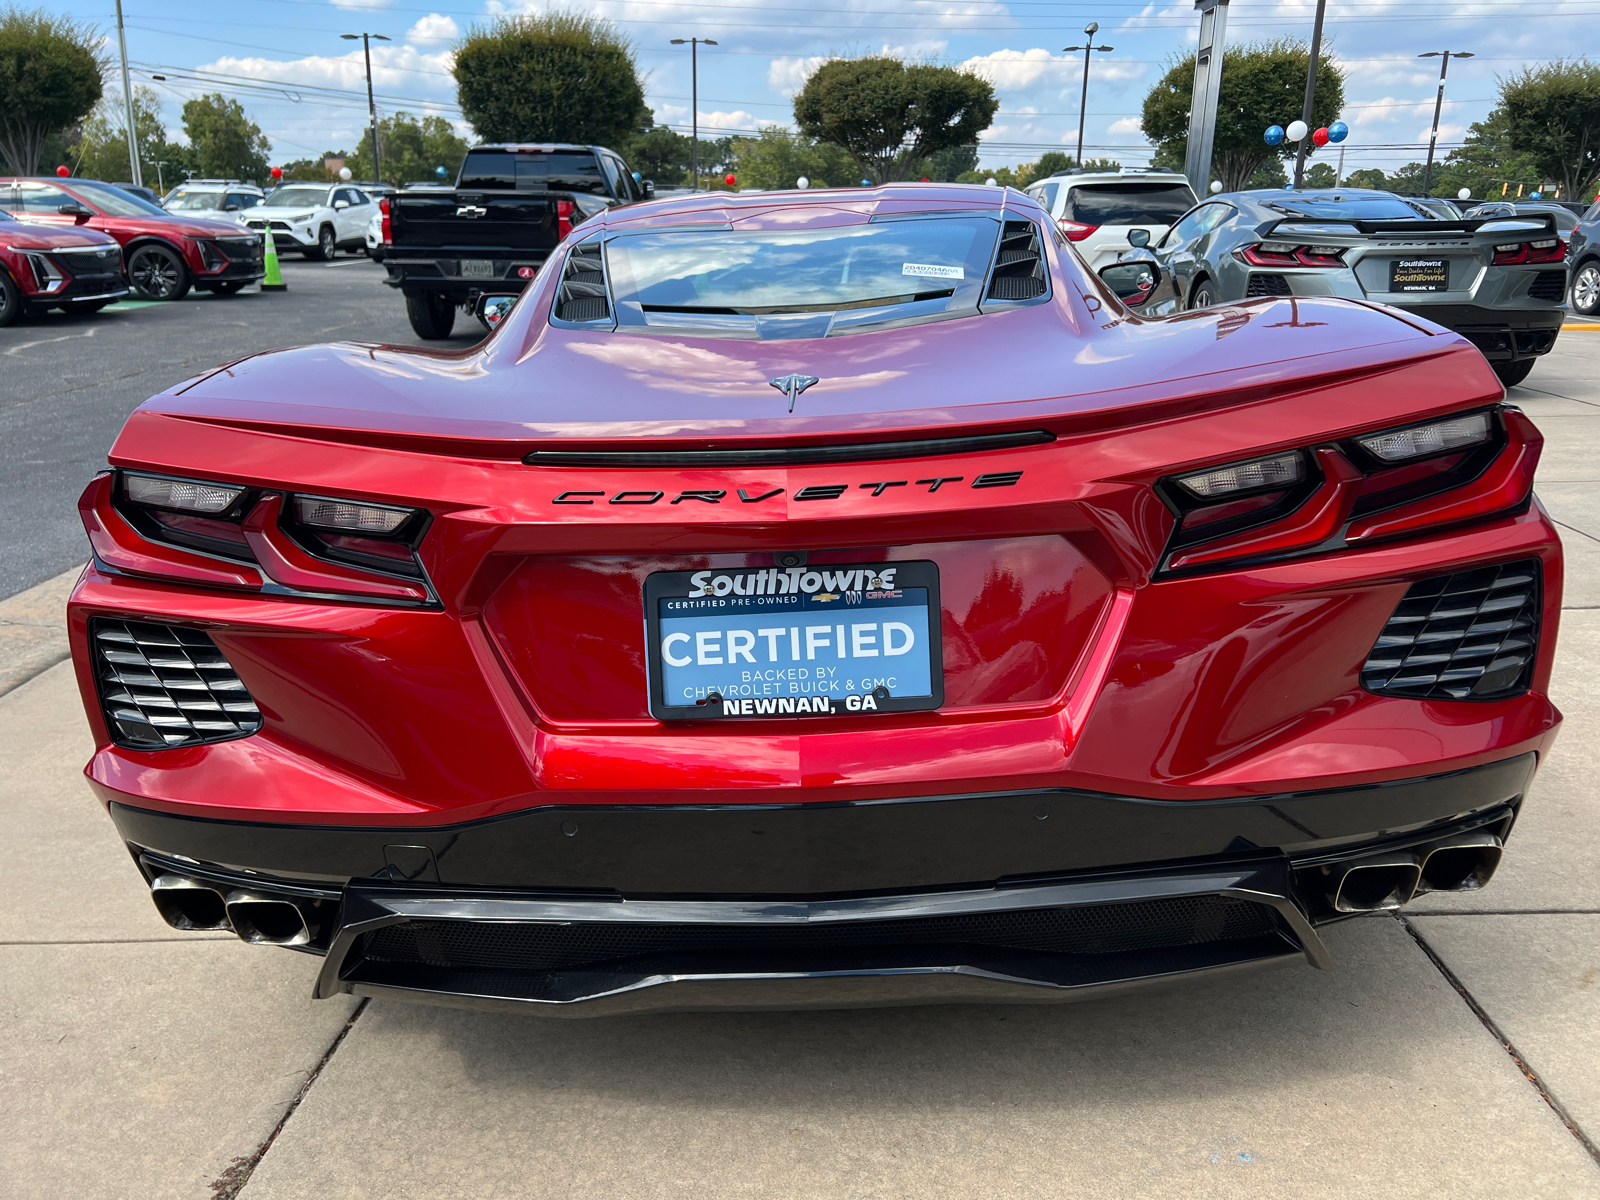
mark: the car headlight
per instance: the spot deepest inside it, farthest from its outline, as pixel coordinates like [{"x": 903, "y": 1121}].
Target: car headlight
[
  {"x": 46, "y": 276},
  {"x": 1398, "y": 445},
  {"x": 211, "y": 256},
  {"x": 1279, "y": 471}
]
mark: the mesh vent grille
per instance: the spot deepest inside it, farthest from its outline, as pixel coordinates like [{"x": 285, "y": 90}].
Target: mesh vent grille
[
  {"x": 1549, "y": 285},
  {"x": 583, "y": 286},
  {"x": 1267, "y": 285},
  {"x": 1102, "y": 929},
  {"x": 1019, "y": 265},
  {"x": 164, "y": 685},
  {"x": 1467, "y": 636}
]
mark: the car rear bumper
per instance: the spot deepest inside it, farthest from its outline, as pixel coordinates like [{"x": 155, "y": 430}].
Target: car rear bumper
[
  {"x": 425, "y": 272},
  {"x": 1041, "y": 895},
  {"x": 1502, "y": 334}
]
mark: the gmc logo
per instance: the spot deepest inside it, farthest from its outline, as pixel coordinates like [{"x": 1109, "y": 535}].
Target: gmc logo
[{"x": 817, "y": 491}]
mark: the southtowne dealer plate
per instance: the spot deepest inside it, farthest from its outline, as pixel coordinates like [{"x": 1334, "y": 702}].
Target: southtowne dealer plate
[{"x": 776, "y": 643}]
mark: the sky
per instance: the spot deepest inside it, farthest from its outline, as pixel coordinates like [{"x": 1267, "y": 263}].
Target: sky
[{"x": 284, "y": 59}]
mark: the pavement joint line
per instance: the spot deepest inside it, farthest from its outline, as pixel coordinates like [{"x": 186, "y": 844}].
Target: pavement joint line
[
  {"x": 1478, "y": 1010},
  {"x": 1512, "y": 912},
  {"x": 227, "y": 937},
  {"x": 31, "y": 676},
  {"x": 1579, "y": 532},
  {"x": 233, "y": 1180}
]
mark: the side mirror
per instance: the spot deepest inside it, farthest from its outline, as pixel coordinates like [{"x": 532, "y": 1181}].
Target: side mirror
[
  {"x": 649, "y": 186},
  {"x": 491, "y": 310},
  {"x": 77, "y": 212},
  {"x": 1139, "y": 238},
  {"x": 232, "y": 206},
  {"x": 1133, "y": 281},
  {"x": 340, "y": 204}
]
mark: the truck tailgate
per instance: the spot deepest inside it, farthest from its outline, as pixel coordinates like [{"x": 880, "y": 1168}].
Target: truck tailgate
[{"x": 473, "y": 220}]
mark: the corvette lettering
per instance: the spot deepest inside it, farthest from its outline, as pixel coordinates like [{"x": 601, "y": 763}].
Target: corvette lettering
[{"x": 816, "y": 491}]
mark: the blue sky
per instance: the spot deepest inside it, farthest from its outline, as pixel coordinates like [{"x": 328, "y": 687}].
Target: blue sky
[{"x": 285, "y": 62}]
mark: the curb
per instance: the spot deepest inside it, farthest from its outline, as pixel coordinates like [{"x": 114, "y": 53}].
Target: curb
[{"x": 33, "y": 630}]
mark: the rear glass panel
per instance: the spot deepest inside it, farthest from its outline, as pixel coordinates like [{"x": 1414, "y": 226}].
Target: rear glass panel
[
  {"x": 1362, "y": 208},
  {"x": 560, "y": 170},
  {"x": 1128, "y": 203}
]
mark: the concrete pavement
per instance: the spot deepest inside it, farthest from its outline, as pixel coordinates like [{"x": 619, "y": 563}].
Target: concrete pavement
[{"x": 1449, "y": 1054}]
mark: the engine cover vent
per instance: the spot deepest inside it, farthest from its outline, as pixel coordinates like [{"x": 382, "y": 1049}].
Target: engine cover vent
[
  {"x": 1019, "y": 264},
  {"x": 583, "y": 296}
]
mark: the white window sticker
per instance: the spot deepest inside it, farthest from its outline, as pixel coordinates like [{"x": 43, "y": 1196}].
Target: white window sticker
[{"x": 933, "y": 271}]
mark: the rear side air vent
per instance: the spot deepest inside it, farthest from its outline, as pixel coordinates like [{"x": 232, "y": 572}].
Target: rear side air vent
[
  {"x": 1549, "y": 285},
  {"x": 1467, "y": 636},
  {"x": 163, "y": 686},
  {"x": 583, "y": 286},
  {"x": 1019, "y": 265},
  {"x": 1266, "y": 285}
]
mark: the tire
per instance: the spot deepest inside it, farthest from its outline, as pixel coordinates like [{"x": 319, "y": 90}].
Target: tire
[
  {"x": 231, "y": 288},
  {"x": 1204, "y": 294},
  {"x": 325, "y": 248},
  {"x": 156, "y": 272},
  {"x": 12, "y": 307},
  {"x": 1586, "y": 290},
  {"x": 432, "y": 315},
  {"x": 1513, "y": 373}
]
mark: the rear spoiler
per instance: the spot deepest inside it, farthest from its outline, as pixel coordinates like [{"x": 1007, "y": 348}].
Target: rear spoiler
[{"x": 1468, "y": 226}]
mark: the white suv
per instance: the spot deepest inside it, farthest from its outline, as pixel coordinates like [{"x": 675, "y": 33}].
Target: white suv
[
  {"x": 214, "y": 199},
  {"x": 318, "y": 219},
  {"x": 1096, "y": 211}
]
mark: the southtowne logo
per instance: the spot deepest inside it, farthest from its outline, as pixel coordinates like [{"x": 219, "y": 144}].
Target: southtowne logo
[{"x": 791, "y": 581}]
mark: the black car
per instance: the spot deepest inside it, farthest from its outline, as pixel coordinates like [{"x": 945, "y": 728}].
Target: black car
[{"x": 1583, "y": 258}]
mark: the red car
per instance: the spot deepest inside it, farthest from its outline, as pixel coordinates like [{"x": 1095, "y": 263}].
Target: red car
[
  {"x": 164, "y": 255},
  {"x": 821, "y": 598},
  {"x": 78, "y": 271}
]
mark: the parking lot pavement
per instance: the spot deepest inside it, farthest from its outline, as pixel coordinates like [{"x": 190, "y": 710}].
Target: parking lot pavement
[{"x": 1450, "y": 1053}]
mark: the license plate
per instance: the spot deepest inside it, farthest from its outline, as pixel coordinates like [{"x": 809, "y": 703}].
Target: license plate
[
  {"x": 1419, "y": 275},
  {"x": 477, "y": 268},
  {"x": 774, "y": 643}
]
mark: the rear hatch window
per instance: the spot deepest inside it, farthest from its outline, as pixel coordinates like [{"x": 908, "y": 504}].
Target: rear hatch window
[
  {"x": 557, "y": 170},
  {"x": 1129, "y": 203},
  {"x": 1365, "y": 208}
]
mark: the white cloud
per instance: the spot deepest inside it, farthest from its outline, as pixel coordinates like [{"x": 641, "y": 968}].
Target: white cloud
[
  {"x": 1126, "y": 125},
  {"x": 1022, "y": 68},
  {"x": 787, "y": 76},
  {"x": 435, "y": 27},
  {"x": 361, "y": 4},
  {"x": 395, "y": 68},
  {"x": 737, "y": 121}
]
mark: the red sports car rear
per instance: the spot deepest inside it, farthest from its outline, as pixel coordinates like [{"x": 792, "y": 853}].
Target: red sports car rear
[{"x": 820, "y": 599}]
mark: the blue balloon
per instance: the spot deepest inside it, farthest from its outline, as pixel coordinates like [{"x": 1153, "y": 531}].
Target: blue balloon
[
  {"x": 866, "y": 183},
  {"x": 440, "y": 172},
  {"x": 1535, "y": 195},
  {"x": 1274, "y": 135},
  {"x": 1338, "y": 131},
  {"x": 637, "y": 178}
]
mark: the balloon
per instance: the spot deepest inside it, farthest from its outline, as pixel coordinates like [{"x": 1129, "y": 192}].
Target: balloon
[
  {"x": 63, "y": 171},
  {"x": 991, "y": 182},
  {"x": 1338, "y": 131},
  {"x": 802, "y": 183},
  {"x": 1464, "y": 194},
  {"x": 1535, "y": 195},
  {"x": 443, "y": 174},
  {"x": 1320, "y": 137},
  {"x": 729, "y": 179},
  {"x": 344, "y": 174},
  {"x": 1274, "y": 135},
  {"x": 1216, "y": 186},
  {"x": 866, "y": 183},
  {"x": 925, "y": 179},
  {"x": 1297, "y": 131},
  {"x": 277, "y": 172}
]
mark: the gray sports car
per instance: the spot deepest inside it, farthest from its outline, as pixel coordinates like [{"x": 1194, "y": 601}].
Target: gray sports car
[{"x": 1500, "y": 282}]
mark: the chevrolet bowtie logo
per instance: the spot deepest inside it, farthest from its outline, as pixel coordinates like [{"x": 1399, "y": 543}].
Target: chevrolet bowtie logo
[
  {"x": 792, "y": 385},
  {"x": 472, "y": 210}
]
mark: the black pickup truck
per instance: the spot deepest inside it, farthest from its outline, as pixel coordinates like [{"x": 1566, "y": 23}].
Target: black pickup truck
[{"x": 511, "y": 206}]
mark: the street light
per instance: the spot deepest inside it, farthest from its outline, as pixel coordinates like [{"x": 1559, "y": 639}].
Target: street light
[
  {"x": 1438, "y": 104},
  {"x": 1092, "y": 28},
  {"x": 372, "y": 108},
  {"x": 694, "y": 45}
]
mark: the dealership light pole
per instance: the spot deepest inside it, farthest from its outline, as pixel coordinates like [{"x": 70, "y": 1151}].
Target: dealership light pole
[
  {"x": 372, "y": 109},
  {"x": 1207, "y": 87},
  {"x": 127, "y": 100},
  {"x": 1311, "y": 94},
  {"x": 694, "y": 45},
  {"x": 1092, "y": 28},
  {"x": 1438, "y": 104}
]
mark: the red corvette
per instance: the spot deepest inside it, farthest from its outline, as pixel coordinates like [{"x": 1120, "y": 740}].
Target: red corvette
[
  {"x": 74, "y": 270},
  {"x": 822, "y": 598},
  {"x": 165, "y": 255}
]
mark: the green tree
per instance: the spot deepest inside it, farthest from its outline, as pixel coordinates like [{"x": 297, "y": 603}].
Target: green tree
[
  {"x": 890, "y": 117},
  {"x": 945, "y": 165},
  {"x": 1552, "y": 112},
  {"x": 1262, "y": 85},
  {"x": 50, "y": 78},
  {"x": 225, "y": 142},
  {"x": 551, "y": 77},
  {"x": 101, "y": 148},
  {"x": 1321, "y": 175},
  {"x": 1270, "y": 174},
  {"x": 1489, "y": 162},
  {"x": 409, "y": 150},
  {"x": 659, "y": 154},
  {"x": 778, "y": 158},
  {"x": 1368, "y": 177}
]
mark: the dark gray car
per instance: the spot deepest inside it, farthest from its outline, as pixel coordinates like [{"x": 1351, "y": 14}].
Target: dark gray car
[
  {"x": 1583, "y": 258},
  {"x": 1500, "y": 282}
]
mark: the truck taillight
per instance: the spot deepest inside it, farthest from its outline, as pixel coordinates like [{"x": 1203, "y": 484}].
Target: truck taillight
[
  {"x": 563, "y": 218},
  {"x": 383, "y": 207}
]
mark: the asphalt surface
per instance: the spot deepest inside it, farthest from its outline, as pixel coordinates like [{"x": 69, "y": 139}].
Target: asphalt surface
[{"x": 67, "y": 383}]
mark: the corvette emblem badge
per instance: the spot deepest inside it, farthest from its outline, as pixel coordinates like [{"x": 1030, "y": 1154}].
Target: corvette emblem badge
[{"x": 792, "y": 385}]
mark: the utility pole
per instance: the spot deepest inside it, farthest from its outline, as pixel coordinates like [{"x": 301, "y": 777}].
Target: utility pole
[
  {"x": 127, "y": 100},
  {"x": 372, "y": 108},
  {"x": 1438, "y": 105},
  {"x": 1207, "y": 87},
  {"x": 1092, "y": 28},
  {"x": 694, "y": 45},
  {"x": 1311, "y": 94}
]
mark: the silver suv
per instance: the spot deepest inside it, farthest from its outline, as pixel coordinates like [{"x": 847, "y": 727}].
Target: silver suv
[{"x": 1096, "y": 210}]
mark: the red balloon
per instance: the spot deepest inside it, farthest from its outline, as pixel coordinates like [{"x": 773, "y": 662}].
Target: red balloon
[
  {"x": 729, "y": 180},
  {"x": 63, "y": 172},
  {"x": 277, "y": 172},
  {"x": 925, "y": 179},
  {"x": 1320, "y": 137}
]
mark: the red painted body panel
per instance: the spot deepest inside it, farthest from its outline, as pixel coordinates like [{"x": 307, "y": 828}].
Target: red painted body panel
[
  {"x": 1069, "y": 661},
  {"x": 23, "y": 235}
]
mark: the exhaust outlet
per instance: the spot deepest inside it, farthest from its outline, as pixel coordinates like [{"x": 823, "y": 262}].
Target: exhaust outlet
[
  {"x": 1462, "y": 863},
  {"x": 1376, "y": 884},
  {"x": 189, "y": 904},
  {"x": 265, "y": 921}
]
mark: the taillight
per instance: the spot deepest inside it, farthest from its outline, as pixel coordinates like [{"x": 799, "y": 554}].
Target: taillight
[
  {"x": 1283, "y": 254},
  {"x": 1076, "y": 231},
  {"x": 1515, "y": 253},
  {"x": 383, "y": 207},
  {"x": 563, "y": 218}
]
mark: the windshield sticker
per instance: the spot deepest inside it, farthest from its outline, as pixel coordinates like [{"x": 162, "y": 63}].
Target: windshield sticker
[{"x": 932, "y": 271}]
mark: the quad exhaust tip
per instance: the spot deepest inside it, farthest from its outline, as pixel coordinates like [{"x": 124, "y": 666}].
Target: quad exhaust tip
[
  {"x": 266, "y": 920},
  {"x": 198, "y": 907},
  {"x": 1383, "y": 882},
  {"x": 1376, "y": 884},
  {"x": 1461, "y": 864},
  {"x": 189, "y": 904}
]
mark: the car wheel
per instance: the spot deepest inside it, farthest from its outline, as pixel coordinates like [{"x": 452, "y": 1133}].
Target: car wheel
[
  {"x": 432, "y": 315},
  {"x": 231, "y": 288},
  {"x": 1586, "y": 290},
  {"x": 1204, "y": 294},
  {"x": 157, "y": 273},
  {"x": 11, "y": 306},
  {"x": 1513, "y": 373},
  {"x": 325, "y": 248}
]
